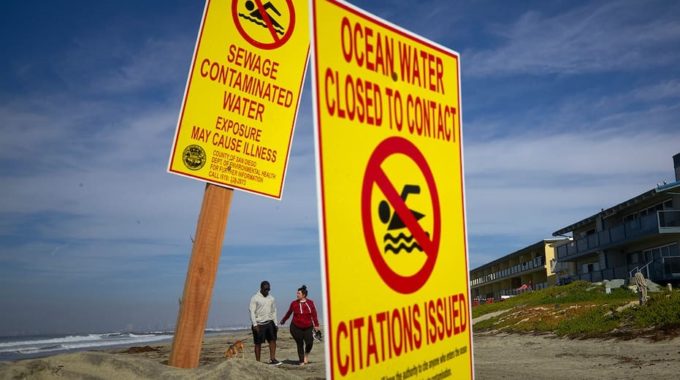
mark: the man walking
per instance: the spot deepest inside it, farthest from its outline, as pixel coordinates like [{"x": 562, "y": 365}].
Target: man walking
[{"x": 263, "y": 317}]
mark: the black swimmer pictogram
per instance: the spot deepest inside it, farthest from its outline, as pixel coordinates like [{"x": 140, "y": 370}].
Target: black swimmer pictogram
[
  {"x": 401, "y": 242},
  {"x": 257, "y": 17}
]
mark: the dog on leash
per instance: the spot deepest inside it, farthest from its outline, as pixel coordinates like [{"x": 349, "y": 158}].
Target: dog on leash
[{"x": 234, "y": 349}]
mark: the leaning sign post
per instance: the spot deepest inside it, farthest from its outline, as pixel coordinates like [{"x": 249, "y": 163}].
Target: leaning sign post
[
  {"x": 392, "y": 205},
  {"x": 234, "y": 131}
]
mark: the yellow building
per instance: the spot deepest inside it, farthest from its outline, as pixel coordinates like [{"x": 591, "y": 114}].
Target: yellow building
[{"x": 526, "y": 269}]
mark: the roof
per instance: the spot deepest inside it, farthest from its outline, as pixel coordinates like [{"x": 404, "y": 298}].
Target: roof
[{"x": 615, "y": 209}]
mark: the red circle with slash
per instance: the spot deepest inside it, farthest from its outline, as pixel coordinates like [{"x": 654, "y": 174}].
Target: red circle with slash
[
  {"x": 268, "y": 23},
  {"x": 374, "y": 175}
]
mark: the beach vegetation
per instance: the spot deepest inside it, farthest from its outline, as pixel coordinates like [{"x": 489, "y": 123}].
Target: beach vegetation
[
  {"x": 662, "y": 311},
  {"x": 583, "y": 310}
]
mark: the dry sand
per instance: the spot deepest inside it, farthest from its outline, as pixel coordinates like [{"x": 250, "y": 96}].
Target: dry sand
[
  {"x": 514, "y": 356},
  {"x": 498, "y": 356}
]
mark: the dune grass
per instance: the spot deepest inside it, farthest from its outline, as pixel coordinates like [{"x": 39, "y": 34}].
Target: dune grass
[{"x": 583, "y": 310}]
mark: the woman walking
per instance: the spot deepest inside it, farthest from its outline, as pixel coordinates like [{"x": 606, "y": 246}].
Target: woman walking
[{"x": 304, "y": 322}]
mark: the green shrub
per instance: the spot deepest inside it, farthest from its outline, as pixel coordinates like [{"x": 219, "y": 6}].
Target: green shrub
[
  {"x": 578, "y": 291},
  {"x": 587, "y": 323},
  {"x": 583, "y": 310},
  {"x": 661, "y": 311}
]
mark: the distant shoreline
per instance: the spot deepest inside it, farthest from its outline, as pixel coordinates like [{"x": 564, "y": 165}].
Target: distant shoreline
[{"x": 41, "y": 346}]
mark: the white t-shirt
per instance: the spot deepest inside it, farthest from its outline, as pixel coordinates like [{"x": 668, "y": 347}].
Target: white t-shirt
[{"x": 262, "y": 309}]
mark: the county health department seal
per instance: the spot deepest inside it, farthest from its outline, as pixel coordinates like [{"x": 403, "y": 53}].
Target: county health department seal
[{"x": 194, "y": 157}]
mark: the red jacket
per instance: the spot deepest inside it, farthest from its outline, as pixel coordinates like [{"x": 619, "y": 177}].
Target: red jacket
[{"x": 304, "y": 314}]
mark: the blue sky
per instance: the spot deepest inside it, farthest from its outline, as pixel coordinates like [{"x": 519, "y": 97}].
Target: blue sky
[{"x": 568, "y": 107}]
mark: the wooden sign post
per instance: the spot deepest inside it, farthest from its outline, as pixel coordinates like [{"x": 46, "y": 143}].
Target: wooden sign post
[{"x": 205, "y": 256}]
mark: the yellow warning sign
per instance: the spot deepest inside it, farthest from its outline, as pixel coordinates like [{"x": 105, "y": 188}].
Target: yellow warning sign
[
  {"x": 241, "y": 99},
  {"x": 388, "y": 116}
]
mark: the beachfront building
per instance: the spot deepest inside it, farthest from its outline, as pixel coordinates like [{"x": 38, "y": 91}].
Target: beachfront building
[
  {"x": 526, "y": 269},
  {"x": 641, "y": 233}
]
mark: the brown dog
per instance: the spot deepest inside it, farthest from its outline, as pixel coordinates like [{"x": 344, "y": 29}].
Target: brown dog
[{"x": 234, "y": 349}]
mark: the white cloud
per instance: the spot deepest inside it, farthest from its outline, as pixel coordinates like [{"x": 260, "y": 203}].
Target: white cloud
[
  {"x": 666, "y": 90},
  {"x": 601, "y": 153},
  {"x": 530, "y": 186},
  {"x": 598, "y": 37},
  {"x": 110, "y": 62},
  {"x": 521, "y": 189},
  {"x": 102, "y": 162}
]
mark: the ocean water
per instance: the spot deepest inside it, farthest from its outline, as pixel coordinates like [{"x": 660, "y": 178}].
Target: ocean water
[{"x": 29, "y": 347}]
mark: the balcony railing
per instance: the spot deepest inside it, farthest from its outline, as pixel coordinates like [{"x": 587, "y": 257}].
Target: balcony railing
[
  {"x": 514, "y": 292},
  {"x": 664, "y": 221},
  {"x": 605, "y": 274},
  {"x": 537, "y": 262},
  {"x": 654, "y": 270},
  {"x": 669, "y": 220},
  {"x": 498, "y": 295}
]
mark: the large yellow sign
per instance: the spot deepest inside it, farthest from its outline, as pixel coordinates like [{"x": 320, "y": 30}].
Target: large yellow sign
[
  {"x": 240, "y": 104},
  {"x": 387, "y": 108}
]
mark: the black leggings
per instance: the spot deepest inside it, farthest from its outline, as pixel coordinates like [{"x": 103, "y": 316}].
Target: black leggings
[{"x": 303, "y": 339}]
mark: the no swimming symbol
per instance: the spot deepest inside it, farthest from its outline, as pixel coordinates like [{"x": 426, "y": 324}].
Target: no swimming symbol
[
  {"x": 266, "y": 25},
  {"x": 402, "y": 242},
  {"x": 403, "y": 218}
]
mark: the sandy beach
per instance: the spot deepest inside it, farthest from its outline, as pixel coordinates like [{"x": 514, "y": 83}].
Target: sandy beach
[
  {"x": 514, "y": 356},
  {"x": 496, "y": 356},
  {"x": 150, "y": 362}
]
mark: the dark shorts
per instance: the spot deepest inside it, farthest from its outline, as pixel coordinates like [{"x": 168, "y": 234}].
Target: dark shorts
[{"x": 265, "y": 332}]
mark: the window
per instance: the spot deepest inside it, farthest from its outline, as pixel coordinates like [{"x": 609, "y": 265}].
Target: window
[
  {"x": 590, "y": 267},
  {"x": 634, "y": 258},
  {"x": 671, "y": 266},
  {"x": 669, "y": 255},
  {"x": 630, "y": 219},
  {"x": 670, "y": 250},
  {"x": 649, "y": 255}
]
